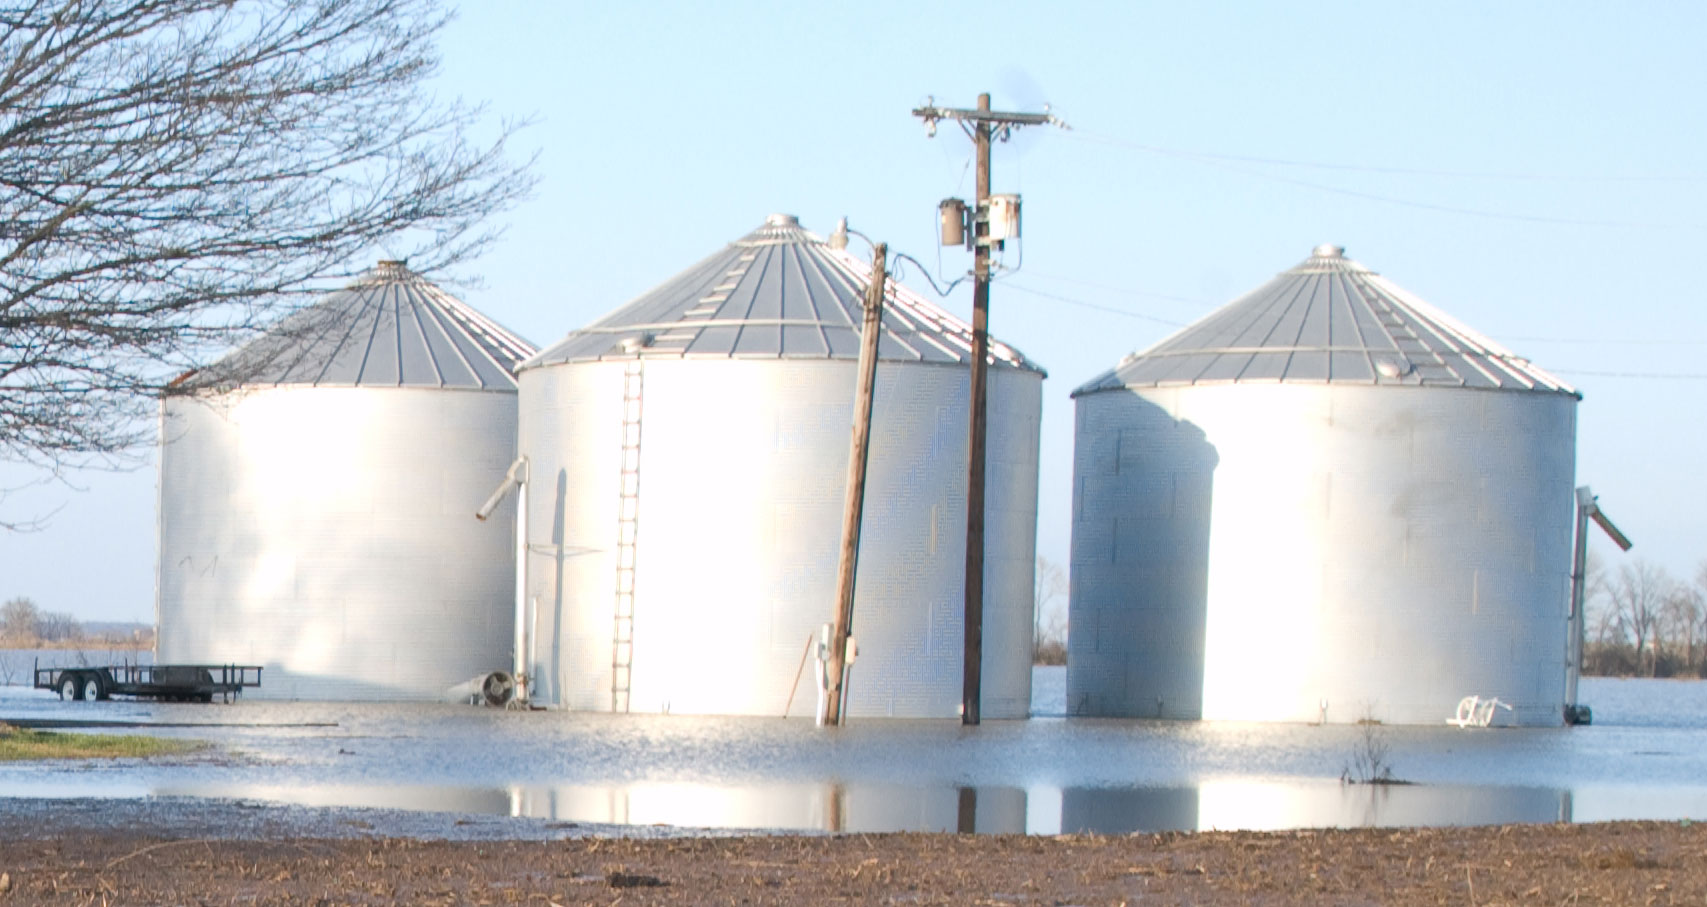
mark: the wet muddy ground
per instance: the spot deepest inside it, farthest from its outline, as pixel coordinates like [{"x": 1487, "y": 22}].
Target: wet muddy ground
[{"x": 92, "y": 852}]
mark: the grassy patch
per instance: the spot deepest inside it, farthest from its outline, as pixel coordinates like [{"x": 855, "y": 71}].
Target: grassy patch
[{"x": 18, "y": 743}]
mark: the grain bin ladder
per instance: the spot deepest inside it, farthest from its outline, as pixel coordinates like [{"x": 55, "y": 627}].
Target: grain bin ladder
[{"x": 627, "y": 530}]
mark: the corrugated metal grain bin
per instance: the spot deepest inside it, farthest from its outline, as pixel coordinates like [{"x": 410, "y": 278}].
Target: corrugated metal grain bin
[
  {"x": 317, "y": 491},
  {"x": 1326, "y": 501},
  {"x": 688, "y": 458}
]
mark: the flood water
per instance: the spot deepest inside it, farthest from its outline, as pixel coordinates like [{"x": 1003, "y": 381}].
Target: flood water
[{"x": 1644, "y": 757}]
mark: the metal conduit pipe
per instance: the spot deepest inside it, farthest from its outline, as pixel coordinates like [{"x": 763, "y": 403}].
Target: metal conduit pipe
[{"x": 516, "y": 479}]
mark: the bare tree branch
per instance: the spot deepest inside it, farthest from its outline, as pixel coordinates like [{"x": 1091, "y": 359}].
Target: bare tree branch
[{"x": 176, "y": 175}]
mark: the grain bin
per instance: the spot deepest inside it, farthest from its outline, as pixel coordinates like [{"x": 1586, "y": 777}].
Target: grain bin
[
  {"x": 317, "y": 491},
  {"x": 688, "y": 455},
  {"x": 1326, "y": 501}
]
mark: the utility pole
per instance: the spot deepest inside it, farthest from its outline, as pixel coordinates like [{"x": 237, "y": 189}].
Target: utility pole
[
  {"x": 983, "y": 125},
  {"x": 853, "y": 509}
]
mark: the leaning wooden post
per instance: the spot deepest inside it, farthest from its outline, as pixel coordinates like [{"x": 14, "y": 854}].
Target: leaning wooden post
[{"x": 854, "y": 503}]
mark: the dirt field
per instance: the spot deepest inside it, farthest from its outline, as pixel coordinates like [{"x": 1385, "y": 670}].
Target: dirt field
[{"x": 1618, "y": 863}]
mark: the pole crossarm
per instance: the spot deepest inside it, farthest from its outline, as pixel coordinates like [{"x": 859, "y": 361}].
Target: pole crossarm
[{"x": 931, "y": 113}]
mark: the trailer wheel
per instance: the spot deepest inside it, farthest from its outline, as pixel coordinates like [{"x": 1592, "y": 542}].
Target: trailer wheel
[
  {"x": 70, "y": 687},
  {"x": 92, "y": 688}
]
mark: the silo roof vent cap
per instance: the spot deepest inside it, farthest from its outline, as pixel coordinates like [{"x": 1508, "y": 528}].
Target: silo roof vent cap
[
  {"x": 782, "y": 220},
  {"x": 1393, "y": 368},
  {"x": 1328, "y": 250},
  {"x": 634, "y": 343}
]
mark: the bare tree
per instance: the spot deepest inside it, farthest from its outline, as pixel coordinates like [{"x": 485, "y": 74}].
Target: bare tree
[
  {"x": 1049, "y": 621},
  {"x": 175, "y": 174},
  {"x": 1637, "y": 595},
  {"x": 58, "y": 626},
  {"x": 1602, "y": 627},
  {"x": 1700, "y": 586},
  {"x": 1682, "y": 613},
  {"x": 1697, "y": 593},
  {"x": 18, "y": 618}
]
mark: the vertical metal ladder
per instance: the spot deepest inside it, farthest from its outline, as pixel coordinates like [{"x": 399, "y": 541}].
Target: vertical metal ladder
[{"x": 627, "y": 529}]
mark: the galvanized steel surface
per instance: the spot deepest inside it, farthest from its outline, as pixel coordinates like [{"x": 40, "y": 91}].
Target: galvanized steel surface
[
  {"x": 742, "y": 468},
  {"x": 1329, "y": 319},
  {"x": 1325, "y": 501},
  {"x": 328, "y": 534},
  {"x": 392, "y": 328},
  {"x": 780, "y": 292},
  {"x": 1296, "y": 553}
]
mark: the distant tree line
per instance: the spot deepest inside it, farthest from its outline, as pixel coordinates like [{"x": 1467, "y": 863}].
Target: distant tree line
[
  {"x": 24, "y": 625},
  {"x": 1644, "y": 622}
]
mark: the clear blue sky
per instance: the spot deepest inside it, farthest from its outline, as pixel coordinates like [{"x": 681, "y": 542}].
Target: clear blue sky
[{"x": 1534, "y": 169}]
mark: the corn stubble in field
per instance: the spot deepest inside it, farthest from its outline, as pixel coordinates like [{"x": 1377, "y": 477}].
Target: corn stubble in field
[{"x": 1616, "y": 863}]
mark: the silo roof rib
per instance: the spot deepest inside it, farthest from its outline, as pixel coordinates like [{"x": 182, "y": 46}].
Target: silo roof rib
[
  {"x": 446, "y": 335},
  {"x": 389, "y": 328},
  {"x": 378, "y": 304},
  {"x": 1329, "y": 320},
  {"x": 817, "y": 304},
  {"x": 419, "y": 341},
  {"x": 778, "y": 292},
  {"x": 326, "y": 319}
]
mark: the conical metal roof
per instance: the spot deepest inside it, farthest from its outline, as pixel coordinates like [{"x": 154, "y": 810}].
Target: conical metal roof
[
  {"x": 390, "y": 328},
  {"x": 780, "y": 292},
  {"x": 1329, "y": 320}
]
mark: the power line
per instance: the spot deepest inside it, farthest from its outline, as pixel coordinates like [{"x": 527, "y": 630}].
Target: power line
[
  {"x": 1587, "y": 373},
  {"x": 899, "y": 272},
  {"x": 1391, "y": 171},
  {"x": 1130, "y": 291},
  {"x": 1597, "y": 341},
  {"x": 1091, "y": 305},
  {"x": 1221, "y": 163},
  {"x": 1655, "y": 376}
]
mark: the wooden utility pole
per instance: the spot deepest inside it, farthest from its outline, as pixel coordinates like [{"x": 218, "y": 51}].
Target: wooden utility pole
[
  {"x": 972, "y": 675},
  {"x": 982, "y": 125},
  {"x": 853, "y": 508}
]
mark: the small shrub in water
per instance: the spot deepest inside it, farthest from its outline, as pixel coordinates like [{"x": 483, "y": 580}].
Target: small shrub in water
[{"x": 1370, "y": 757}]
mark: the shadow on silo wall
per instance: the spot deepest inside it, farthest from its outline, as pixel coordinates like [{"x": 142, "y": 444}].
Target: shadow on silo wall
[
  {"x": 560, "y": 499},
  {"x": 1138, "y": 602}
]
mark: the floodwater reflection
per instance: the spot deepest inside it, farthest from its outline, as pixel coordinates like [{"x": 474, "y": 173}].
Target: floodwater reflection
[
  {"x": 833, "y": 807},
  {"x": 1645, "y": 757}
]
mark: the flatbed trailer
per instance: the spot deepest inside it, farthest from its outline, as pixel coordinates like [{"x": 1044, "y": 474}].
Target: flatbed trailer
[{"x": 175, "y": 683}]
